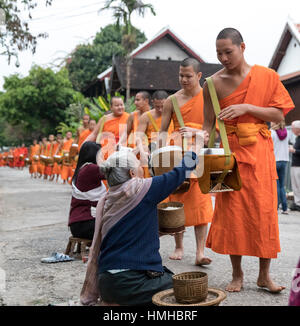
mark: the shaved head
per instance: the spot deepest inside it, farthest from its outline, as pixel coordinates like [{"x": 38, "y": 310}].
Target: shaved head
[
  {"x": 191, "y": 62},
  {"x": 231, "y": 33}
]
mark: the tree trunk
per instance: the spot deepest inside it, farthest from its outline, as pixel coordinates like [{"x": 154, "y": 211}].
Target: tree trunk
[{"x": 128, "y": 66}]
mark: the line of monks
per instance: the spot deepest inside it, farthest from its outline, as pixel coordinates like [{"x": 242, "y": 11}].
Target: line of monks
[{"x": 52, "y": 157}]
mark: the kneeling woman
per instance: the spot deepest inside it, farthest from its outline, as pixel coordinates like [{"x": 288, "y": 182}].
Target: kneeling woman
[
  {"x": 87, "y": 189},
  {"x": 125, "y": 266}
]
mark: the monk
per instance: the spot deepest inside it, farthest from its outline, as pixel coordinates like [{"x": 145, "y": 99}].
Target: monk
[
  {"x": 142, "y": 103},
  {"x": 23, "y": 154},
  {"x": 245, "y": 222},
  {"x": 112, "y": 126},
  {"x": 197, "y": 206},
  {"x": 82, "y": 128},
  {"x": 57, "y": 151},
  {"x": 66, "y": 170},
  {"x": 43, "y": 148},
  {"x": 33, "y": 156},
  {"x": 50, "y": 150},
  {"x": 150, "y": 123},
  {"x": 84, "y": 134}
]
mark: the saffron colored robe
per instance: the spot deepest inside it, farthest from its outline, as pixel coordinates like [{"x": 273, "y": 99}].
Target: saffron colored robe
[
  {"x": 56, "y": 167},
  {"x": 245, "y": 222},
  {"x": 66, "y": 169},
  {"x": 82, "y": 137},
  {"x": 111, "y": 132},
  {"x": 34, "y": 150},
  {"x": 50, "y": 150},
  {"x": 197, "y": 206}
]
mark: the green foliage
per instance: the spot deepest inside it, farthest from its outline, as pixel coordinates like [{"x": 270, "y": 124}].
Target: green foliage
[
  {"x": 63, "y": 128},
  {"x": 87, "y": 61},
  {"x": 17, "y": 36},
  {"x": 37, "y": 103}
]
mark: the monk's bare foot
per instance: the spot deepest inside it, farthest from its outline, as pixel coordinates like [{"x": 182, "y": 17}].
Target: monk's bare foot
[
  {"x": 202, "y": 261},
  {"x": 177, "y": 254},
  {"x": 236, "y": 284},
  {"x": 269, "y": 284}
]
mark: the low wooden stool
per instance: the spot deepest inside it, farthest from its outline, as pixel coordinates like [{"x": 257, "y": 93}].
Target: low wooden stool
[{"x": 82, "y": 245}]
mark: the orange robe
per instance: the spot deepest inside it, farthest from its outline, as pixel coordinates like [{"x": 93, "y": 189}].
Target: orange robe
[
  {"x": 82, "y": 137},
  {"x": 197, "y": 206},
  {"x": 56, "y": 167},
  {"x": 50, "y": 150},
  {"x": 34, "y": 150},
  {"x": 1, "y": 160},
  {"x": 131, "y": 137},
  {"x": 41, "y": 165},
  {"x": 245, "y": 222},
  {"x": 66, "y": 169},
  {"x": 112, "y": 130}
]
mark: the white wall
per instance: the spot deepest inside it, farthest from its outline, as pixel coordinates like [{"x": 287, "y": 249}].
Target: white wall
[
  {"x": 164, "y": 49},
  {"x": 291, "y": 61}
]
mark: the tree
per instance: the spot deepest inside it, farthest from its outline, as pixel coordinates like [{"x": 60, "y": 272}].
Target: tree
[
  {"x": 87, "y": 61},
  {"x": 122, "y": 13},
  {"x": 36, "y": 104},
  {"x": 16, "y": 35}
]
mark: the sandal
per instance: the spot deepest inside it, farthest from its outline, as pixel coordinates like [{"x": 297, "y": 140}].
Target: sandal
[{"x": 56, "y": 257}]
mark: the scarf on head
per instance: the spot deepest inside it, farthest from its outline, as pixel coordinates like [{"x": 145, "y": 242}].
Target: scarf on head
[
  {"x": 118, "y": 202},
  {"x": 281, "y": 133}
]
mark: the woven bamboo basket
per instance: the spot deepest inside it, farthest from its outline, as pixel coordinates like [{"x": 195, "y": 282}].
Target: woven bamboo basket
[
  {"x": 171, "y": 221},
  {"x": 190, "y": 287},
  {"x": 167, "y": 298}
]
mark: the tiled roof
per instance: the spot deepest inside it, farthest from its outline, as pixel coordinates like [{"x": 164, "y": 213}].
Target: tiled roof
[{"x": 154, "y": 74}]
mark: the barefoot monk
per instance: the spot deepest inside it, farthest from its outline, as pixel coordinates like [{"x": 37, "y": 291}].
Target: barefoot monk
[{"x": 245, "y": 222}]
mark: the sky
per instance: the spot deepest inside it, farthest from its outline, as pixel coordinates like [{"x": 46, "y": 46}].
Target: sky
[{"x": 196, "y": 22}]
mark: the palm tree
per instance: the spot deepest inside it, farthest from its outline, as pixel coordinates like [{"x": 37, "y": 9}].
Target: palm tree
[{"x": 122, "y": 12}]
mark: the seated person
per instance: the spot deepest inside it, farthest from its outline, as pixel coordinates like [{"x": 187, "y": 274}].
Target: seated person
[
  {"x": 87, "y": 189},
  {"x": 125, "y": 266}
]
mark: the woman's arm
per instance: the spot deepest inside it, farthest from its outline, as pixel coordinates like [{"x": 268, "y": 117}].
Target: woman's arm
[{"x": 163, "y": 185}]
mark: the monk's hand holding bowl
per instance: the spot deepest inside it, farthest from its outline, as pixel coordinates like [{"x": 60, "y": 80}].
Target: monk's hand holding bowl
[
  {"x": 233, "y": 111},
  {"x": 188, "y": 132}
]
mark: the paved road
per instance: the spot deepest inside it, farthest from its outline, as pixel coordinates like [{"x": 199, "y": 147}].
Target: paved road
[{"x": 33, "y": 224}]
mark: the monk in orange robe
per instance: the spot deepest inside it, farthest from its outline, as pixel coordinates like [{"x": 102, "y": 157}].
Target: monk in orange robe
[
  {"x": 149, "y": 126},
  {"x": 66, "y": 169},
  {"x": 43, "y": 148},
  {"x": 50, "y": 150},
  {"x": 57, "y": 152},
  {"x": 1, "y": 160},
  {"x": 33, "y": 156},
  {"x": 82, "y": 128},
  {"x": 198, "y": 208},
  {"x": 110, "y": 127},
  {"x": 85, "y": 133},
  {"x": 23, "y": 151},
  {"x": 142, "y": 103},
  {"x": 245, "y": 222}
]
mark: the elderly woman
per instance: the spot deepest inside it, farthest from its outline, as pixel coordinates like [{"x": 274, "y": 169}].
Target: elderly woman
[{"x": 125, "y": 266}]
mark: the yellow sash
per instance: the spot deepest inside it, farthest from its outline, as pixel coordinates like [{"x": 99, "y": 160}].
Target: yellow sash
[{"x": 247, "y": 132}]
